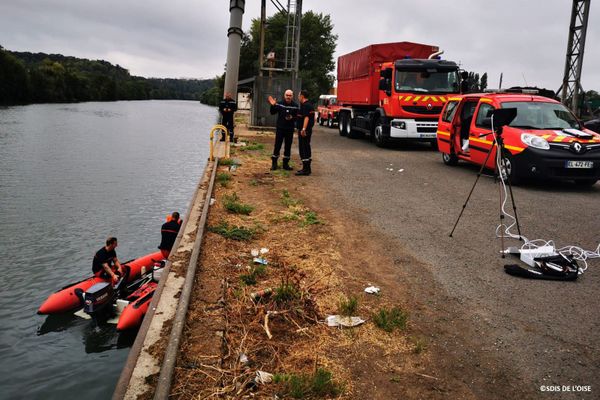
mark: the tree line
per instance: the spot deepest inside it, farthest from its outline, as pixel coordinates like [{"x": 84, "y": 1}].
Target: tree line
[{"x": 53, "y": 78}]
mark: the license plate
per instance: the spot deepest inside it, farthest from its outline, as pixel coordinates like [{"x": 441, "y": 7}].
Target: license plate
[
  {"x": 579, "y": 164},
  {"x": 428, "y": 135}
]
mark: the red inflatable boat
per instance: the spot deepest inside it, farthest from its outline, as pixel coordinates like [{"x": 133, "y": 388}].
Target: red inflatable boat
[
  {"x": 66, "y": 300},
  {"x": 134, "y": 312}
]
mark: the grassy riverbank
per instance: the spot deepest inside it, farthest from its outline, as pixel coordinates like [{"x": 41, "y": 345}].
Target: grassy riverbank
[{"x": 247, "y": 317}]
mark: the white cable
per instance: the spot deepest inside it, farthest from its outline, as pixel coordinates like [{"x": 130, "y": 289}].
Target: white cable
[{"x": 503, "y": 230}]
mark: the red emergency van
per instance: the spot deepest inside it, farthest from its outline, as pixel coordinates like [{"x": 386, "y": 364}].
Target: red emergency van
[{"x": 545, "y": 140}]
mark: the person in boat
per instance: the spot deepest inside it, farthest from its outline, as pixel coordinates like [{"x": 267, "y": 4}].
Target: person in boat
[
  {"x": 168, "y": 232},
  {"x": 106, "y": 264}
]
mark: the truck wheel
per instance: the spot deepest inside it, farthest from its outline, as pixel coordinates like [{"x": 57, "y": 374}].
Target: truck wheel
[
  {"x": 330, "y": 122},
  {"x": 380, "y": 140},
  {"x": 350, "y": 134},
  {"x": 343, "y": 121},
  {"x": 450, "y": 159},
  {"x": 319, "y": 120},
  {"x": 509, "y": 170}
]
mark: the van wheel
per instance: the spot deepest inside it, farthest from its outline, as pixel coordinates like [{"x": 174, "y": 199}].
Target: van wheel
[
  {"x": 330, "y": 122},
  {"x": 509, "y": 170},
  {"x": 342, "y": 122},
  {"x": 319, "y": 119},
  {"x": 450, "y": 159},
  {"x": 380, "y": 140}
]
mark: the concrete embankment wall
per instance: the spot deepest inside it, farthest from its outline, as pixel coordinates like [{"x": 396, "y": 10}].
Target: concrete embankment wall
[{"x": 157, "y": 341}]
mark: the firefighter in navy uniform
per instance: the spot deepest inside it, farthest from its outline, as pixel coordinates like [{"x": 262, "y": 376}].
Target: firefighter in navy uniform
[
  {"x": 227, "y": 108},
  {"x": 168, "y": 233},
  {"x": 306, "y": 121},
  {"x": 287, "y": 111},
  {"x": 106, "y": 264}
]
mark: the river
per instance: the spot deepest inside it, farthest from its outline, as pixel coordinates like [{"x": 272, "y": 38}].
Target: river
[{"x": 70, "y": 176}]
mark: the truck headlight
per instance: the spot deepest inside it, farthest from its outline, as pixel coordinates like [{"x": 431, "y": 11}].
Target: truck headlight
[
  {"x": 399, "y": 124},
  {"x": 535, "y": 141}
]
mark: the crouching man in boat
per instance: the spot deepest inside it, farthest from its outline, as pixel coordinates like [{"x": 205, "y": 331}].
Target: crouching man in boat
[
  {"x": 168, "y": 233},
  {"x": 106, "y": 264}
]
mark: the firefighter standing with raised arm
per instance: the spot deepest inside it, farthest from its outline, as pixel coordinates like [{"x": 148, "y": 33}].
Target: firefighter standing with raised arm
[
  {"x": 306, "y": 121},
  {"x": 286, "y": 111},
  {"x": 227, "y": 108}
]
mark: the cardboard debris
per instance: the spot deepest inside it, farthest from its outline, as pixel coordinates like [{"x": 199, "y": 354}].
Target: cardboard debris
[{"x": 338, "y": 320}]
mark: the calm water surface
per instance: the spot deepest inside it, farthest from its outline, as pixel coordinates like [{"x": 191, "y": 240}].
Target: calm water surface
[{"x": 71, "y": 175}]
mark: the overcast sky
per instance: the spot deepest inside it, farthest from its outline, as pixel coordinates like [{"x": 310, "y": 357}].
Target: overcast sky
[{"x": 524, "y": 39}]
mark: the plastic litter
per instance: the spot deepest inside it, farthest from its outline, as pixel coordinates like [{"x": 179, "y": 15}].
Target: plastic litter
[
  {"x": 243, "y": 359},
  {"x": 372, "y": 290},
  {"x": 401, "y": 170},
  {"x": 338, "y": 320},
  {"x": 254, "y": 253},
  {"x": 233, "y": 167},
  {"x": 263, "y": 377},
  {"x": 261, "y": 293},
  {"x": 212, "y": 201},
  {"x": 260, "y": 260},
  {"x": 264, "y": 250}
]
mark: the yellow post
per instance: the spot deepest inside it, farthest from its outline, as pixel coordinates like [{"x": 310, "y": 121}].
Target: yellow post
[{"x": 212, "y": 136}]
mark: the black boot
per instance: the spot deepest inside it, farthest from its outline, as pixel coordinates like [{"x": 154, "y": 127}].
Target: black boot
[
  {"x": 274, "y": 163},
  {"x": 286, "y": 164},
  {"x": 305, "y": 171}
]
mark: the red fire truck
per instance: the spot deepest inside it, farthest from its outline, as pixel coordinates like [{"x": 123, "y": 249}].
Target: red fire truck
[
  {"x": 327, "y": 110},
  {"x": 394, "y": 91}
]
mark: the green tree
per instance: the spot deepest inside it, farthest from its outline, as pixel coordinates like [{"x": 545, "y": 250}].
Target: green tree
[
  {"x": 317, "y": 46},
  {"x": 483, "y": 82},
  {"x": 213, "y": 96},
  {"x": 14, "y": 80}
]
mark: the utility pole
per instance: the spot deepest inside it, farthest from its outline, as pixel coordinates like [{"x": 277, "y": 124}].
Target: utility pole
[
  {"x": 261, "y": 50},
  {"x": 234, "y": 33},
  {"x": 571, "y": 89},
  {"x": 296, "y": 66}
]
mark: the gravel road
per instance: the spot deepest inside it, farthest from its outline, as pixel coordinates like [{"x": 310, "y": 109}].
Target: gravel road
[{"x": 547, "y": 333}]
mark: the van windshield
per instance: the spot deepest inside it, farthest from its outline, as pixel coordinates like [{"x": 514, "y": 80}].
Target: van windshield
[
  {"x": 426, "y": 82},
  {"x": 541, "y": 115}
]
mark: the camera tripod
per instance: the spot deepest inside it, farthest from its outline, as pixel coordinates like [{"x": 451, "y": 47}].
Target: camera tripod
[{"x": 503, "y": 116}]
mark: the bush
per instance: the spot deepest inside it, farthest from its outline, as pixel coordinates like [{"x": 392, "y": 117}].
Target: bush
[
  {"x": 320, "y": 384},
  {"x": 233, "y": 205},
  {"x": 388, "y": 320},
  {"x": 348, "y": 307},
  {"x": 232, "y": 232}
]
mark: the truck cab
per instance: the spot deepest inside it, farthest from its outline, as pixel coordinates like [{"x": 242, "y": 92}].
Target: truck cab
[
  {"x": 327, "y": 110},
  {"x": 412, "y": 94}
]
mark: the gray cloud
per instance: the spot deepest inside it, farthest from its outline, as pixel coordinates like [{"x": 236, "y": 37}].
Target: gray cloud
[{"x": 524, "y": 40}]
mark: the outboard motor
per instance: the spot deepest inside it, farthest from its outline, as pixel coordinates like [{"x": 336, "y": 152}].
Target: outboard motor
[{"x": 98, "y": 298}]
